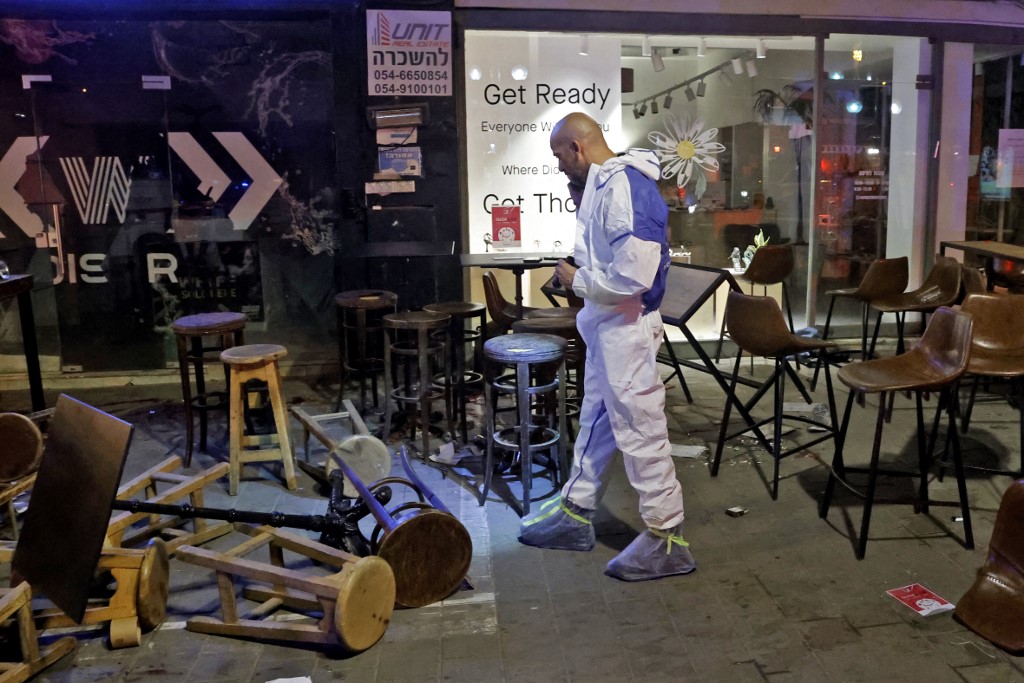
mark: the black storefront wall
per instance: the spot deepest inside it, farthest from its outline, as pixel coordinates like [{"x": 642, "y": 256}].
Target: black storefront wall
[{"x": 124, "y": 184}]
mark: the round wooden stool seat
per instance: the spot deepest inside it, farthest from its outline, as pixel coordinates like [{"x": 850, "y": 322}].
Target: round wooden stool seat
[
  {"x": 253, "y": 354},
  {"x": 457, "y": 309},
  {"x": 416, "y": 320},
  {"x": 203, "y": 324},
  {"x": 189, "y": 332},
  {"x": 558, "y": 312},
  {"x": 257, "y": 363},
  {"x": 367, "y": 299}
]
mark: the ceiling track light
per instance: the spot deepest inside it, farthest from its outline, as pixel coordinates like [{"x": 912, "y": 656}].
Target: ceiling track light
[
  {"x": 668, "y": 101},
  {"x": 762, "y": 51},
  {"x": 751, "y": 68},
  {"x": 724, "y": 76},
  {"x": 645, "y": 47},
  {"x": 636, "y": 112},
  {"x": 702, "y": 47},
  {"x": 656, "y": 61},
  {"x": 701, "y": 89},
  {"x": 737, "y": 66},
  {"x": 654, "y": 106},
  {"x": 690, "y": 96},
  {"x": 643, "y": 108},
  {"x": 584, "y": 46}
]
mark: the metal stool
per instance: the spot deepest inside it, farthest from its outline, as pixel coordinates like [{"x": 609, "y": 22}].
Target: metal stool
[
  {"x": 525, "y": 351},
  {"x": 361, "y": 338},
  {"x": 409, "y": 351},
  {"x": 564, "y": 326},
  {"x": 459, "y": 376},
  {"x": 189, "y": 332},
  {"x": 257, "y": 362}
]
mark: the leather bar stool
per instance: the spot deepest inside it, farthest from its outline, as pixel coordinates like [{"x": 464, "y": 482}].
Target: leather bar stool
[
  {"x": 257, "y": 362},
  {"x": 758, "y": 328},
  {"x": 771, "y": 265},
  {"x": 460, "y": 374},
  {"x": 361, "y": 338},
  {"x": 994, "y": 604},
  {"x": 525, "y": 352},
  {"x": 885, "y": 277},
  {"x": 935, "y": 364},
  {"x": 410, "y": 356},
  {"x": 189, "y": 331},
  {"x": 940, "y": 288},
  {"x": 501, "y": 310}
]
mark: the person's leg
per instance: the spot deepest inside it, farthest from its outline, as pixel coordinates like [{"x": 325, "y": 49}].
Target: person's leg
[{"x": 637, "y": 415}]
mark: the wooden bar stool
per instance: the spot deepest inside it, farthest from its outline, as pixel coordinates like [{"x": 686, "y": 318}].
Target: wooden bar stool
[
  {"x": 525, "y": 351},
  {"x": 257, "y": 362},
  {"x": 361, "y": 338},
  {"x": 459, "y": 375},
  {"x": 189, "y": 332},
  {"x": 411, "y": 353}
]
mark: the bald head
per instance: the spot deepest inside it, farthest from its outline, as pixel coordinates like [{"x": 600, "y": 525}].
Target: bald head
[{"x": 577, "y": 141}]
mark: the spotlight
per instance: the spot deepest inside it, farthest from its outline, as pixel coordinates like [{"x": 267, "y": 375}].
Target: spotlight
[
  {"x": 700, "y": 89},
  {"x": 702, "y": 47},
  {"x": 474, "y": 74},
  {"x": 725, "y": 78},
  {"x": 636, "y": 113},
  {"x": 584, "y": 46},
  {"x": 668, "y": 101},
  {"x": 689, "y": 94},
  {"x": 737, "y": 66},
  {"x": 643, "y": 108},
  {"x": 761, "y": 50},
  {"x": 751, "y": 68},
  {"x": 645, "y": 48},
  {"x": 654, "y": 106},
  {"x": 656, "y": 61},
  {"x": 519, "y": 72}
]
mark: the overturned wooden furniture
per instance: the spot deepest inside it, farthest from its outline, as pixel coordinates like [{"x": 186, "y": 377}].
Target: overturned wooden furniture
[
  {"x": 355, "y": 603},
  {"x": 17, "y": 603},
  {"x": 124, "y": 529},
  {"x": 61, "y": 548},
  {"x": 428, "y": 548},
  {"x": 368, "y": 457},
  {"x": 23, "y": 449}
]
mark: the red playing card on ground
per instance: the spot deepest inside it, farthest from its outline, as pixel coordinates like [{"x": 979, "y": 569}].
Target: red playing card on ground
[{"x": 920, "y": 599}]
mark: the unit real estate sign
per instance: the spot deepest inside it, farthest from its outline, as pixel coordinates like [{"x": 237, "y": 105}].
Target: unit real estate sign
[
  {"x": 409, "y": 53},
  {"x": 517, "y": 88}
]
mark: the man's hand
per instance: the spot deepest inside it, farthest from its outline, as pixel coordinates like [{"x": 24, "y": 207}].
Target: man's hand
[
  {"x": 576, "y": 194},
  {"x": 565, "y": 273}
]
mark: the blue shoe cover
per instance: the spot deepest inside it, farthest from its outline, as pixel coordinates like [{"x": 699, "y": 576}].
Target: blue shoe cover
[
  {"x": 653, "y": 554},
  {"x": 560, "y": 525}
]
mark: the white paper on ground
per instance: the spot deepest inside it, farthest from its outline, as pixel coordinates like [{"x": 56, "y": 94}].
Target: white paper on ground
[
  {"x": 804, "y": 407},
  {"x": 301, "y": 679},
  {"x": 446, "y": 456},
  {"x": 768, "y": 432},
  {"x": 688, "y": 451}
]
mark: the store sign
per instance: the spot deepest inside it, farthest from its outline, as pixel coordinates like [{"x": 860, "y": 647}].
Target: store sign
[
  {"x": 518, "y": 86},
  {"x": 409, "y": 53}
]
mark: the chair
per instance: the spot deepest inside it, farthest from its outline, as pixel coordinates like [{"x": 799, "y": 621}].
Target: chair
[
  {"x": 459, "y": 373},
  {"x": 885, "y": 277},
  {"x": 361, "y": 338},
  {"x": 771, "y": 265},
  {"x": 501, "y": 311},
  {"x": 973, "y": 281},
  {"x": 758, "y": 328},
  {"x": 940, "y": 288},
  {"x": 936, "y": 363},
  {"x": 994, "y": 605},
  {"x": 997, "y": 351},
  {"x": 554, "y": 291}
]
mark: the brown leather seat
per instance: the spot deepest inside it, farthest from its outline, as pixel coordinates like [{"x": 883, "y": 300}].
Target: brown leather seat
[
  {"x": 771, "y": 265},
  {"x": 940, "y": 288},
  {"x": 885, "y": 277},
  {"x": 936, "y": 363},
  {"x": 993, "y": 606},
  {"x": 758, "y": 328},
  {"x": 502, "y": 311},
  {"x": 973, "y": 281},
  {"x": 997, "y": 350},
  {"x": 553, "y": 292}
]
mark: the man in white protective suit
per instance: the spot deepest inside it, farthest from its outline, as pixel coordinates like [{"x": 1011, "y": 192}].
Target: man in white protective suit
[{"x": 621, "y": 262}]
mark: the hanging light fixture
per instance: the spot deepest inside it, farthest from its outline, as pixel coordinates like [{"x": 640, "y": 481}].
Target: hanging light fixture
[
  {"x": 751, "y": 68},
  {"x": 668, "y": 101},
  {"x": 636, "y": 112},
  {"x": 645, "y": 47},
  {"x": 701, "y": 89},
  {"x": 724, "y": 76},
  {"x": 654, "y": 106},
  {"x": 690, "y": 96},
  {"x": 656, "y": 61},
  {"x": 702, "y": 47},
  {"x": 584, "y": 45},
  {"x": 643, "y": 108},
  {"x": 737, "y": 66},
  {"x": 762, "y": 51}
]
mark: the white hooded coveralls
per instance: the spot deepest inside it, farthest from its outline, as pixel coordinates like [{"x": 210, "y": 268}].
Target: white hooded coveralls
[{"x": 622, "y": 254}]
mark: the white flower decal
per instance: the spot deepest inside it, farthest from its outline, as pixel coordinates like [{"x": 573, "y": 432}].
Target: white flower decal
[{"x": 687, "y": 151}]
